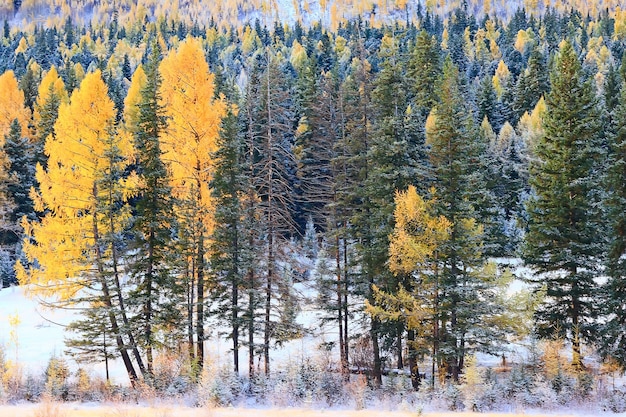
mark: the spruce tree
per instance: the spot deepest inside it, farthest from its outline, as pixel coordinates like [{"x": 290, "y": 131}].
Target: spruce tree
[
  {"x": 613, "y": 340},
  {"x": 564, "y": 239},
  {"x": 462, "y": 291},
  {"x": 230, "y": 254},
  {"x": 156, "y": 294}
]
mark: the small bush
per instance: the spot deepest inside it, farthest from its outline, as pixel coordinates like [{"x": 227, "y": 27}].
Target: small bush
[
  {"x": 615, "y": 401},
  {"x": 49, "y": 408},
  {"x": 56, "y": 376}
]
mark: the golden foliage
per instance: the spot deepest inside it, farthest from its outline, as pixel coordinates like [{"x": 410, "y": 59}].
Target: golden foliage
[
  {"x": 417, "y": 233},
  {"x": 78, "y": 157},
  {"x": 11, "y": 105},
  {"x": 195, "y": 116},
  {"x": 501, "y": 78},
  {"x": 51, "y": 85}
]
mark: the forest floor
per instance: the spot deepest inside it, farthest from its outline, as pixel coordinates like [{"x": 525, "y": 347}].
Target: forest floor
[{"x": 69, "y": 410}]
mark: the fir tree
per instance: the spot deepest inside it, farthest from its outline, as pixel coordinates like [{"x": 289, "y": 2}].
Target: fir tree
[
  {"x": 564, "y": 239},
  {"x": 157, "y": 293},
  {"x": 613, "y": 340},
  {"x": 462, "y": 289}
]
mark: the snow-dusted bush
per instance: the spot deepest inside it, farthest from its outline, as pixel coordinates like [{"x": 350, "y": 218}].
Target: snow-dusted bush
[
  {"x": 331, "y": 388},
  {"x": 614, "y": 401},
  {"x": 172, "y": 374},
  {"x": 359, "y": 391},
  {"x": 33, "y": 388},
  {"x": 453, "y": 397},
  {"x": 221, "y": 387},
  {"x": 56, "y": 376}
]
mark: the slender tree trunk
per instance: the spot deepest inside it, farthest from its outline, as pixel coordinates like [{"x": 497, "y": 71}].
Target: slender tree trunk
[
  {"x": 251, "y": 323},
  {"x": 200, "y": 304},
  {"x": 346, "y": 345},
  {"x": 399, "y": 334},
  {"x": 130, "y": 369},
  {"x": 344, "y": 364},
  {"x": 190, "y": 302},
  {"x": 412, "y": 359},
  {"x": 121, "y": 303},
  {"x": 148, "y": 306},
  {"x": 377, "y": 372},
  {"x": 268, "y": 300}
]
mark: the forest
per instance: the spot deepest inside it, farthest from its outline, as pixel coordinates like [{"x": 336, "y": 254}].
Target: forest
[{"x": 167, "y": 168}]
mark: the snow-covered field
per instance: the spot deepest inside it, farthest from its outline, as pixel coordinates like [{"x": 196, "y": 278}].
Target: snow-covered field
[
  {"x": 164, "y": 411},
  {"x": 40, "y": 334}
]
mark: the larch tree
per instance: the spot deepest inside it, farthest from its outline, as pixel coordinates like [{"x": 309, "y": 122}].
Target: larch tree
[
  {"x": 413, "y": 251},
  {"x": 72, "y": 250},
  {"x": 564, "y": 241},
  {"x": 12, "y": 105},
  {"x": 194, "y": 120}
]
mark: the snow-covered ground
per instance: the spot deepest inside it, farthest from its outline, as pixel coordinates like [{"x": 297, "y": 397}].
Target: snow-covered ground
[
  {"x": 69, "y": 410},
  {"x": 40, "y": 334}
]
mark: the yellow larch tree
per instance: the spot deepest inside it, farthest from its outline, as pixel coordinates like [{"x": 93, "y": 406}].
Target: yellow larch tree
[
  {"x": 11, "y": 105},
  {"x": 194, "y": 115},
  {"x": 413, "y": 252},
  {"x": 72, "y": 251}
]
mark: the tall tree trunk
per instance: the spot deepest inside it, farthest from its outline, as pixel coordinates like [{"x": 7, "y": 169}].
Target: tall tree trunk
[
  {"x": 412, "y": 359},
  {"x": 399, "y": 334},
  {"x": 377, "y": 372},
  {"x": 130, "y": 369},
  {"x": 120, "y": 300},
  {"x": 268, "y": 300},
  {"x": 200, "y": 303}
]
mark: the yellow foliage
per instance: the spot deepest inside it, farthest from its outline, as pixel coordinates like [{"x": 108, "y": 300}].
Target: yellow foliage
[
  {"x": 431, "y": 123},
  {"x": 51, "y": 85},
  {"x": 22, "y": 46},
  {"x": 400, "y": 306},
  {"x": 195, "y": 116},
  {"x": 77, "y": 159},
  {"x": 523, "y": 38},
  {"x": 133, "y": 98},
  {"x": 501, "y": 78},
  {"x": 11, "y": 105},
  {"x": 530, "y": 126},
  {"x": 298, "y": 55},
  {"x": 417, "y": 233}
]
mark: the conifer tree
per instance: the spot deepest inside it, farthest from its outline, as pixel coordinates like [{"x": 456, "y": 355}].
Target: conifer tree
[
  {"x": 194, "y": 117},
  {"x": 72, "y": 251},
  {"x": 613, "y": 338},
  {"x": 564, "y": 239},
  {"x": 463, "y": 298},
  {"x": 273, "y": 182},
  {"x": 50, "y": 95},
  {"x": 21, "y": 170},
  {"x": 157, "y": 293}
]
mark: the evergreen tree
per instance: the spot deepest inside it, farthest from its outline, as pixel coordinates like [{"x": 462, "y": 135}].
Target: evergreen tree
[
  {"x": 272, "y": 177},
  {"x": 613, "y": 340},
  {"x": 21, "y": 169},
  {"x": 231, "y": 257},
  {"x": 463, "y": 292},
  {"x": 564, "y": 239},
  {"x": 157, "y": 293}
]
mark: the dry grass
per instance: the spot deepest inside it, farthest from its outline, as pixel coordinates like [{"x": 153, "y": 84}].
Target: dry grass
[
  {"x": 130, "y": 411},
  {"x": 48, "y": 408}
]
